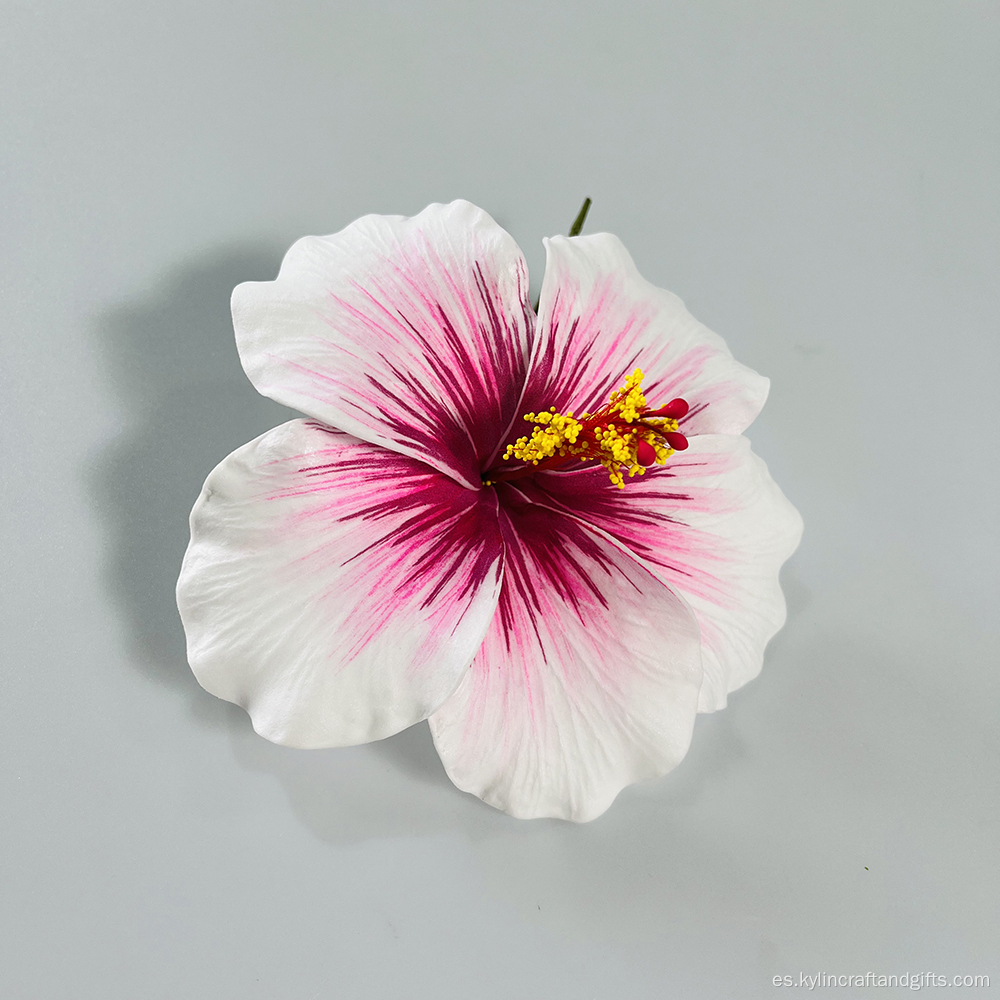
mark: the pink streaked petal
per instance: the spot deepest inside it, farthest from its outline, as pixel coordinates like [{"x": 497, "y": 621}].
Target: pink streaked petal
[
  {"x": 334, "y": 589},
  {"x": 587, "y": 679},
  {"x": 599, "y": 320},
  {"x": 409, "y": 333},
  {"x": 716, "y": 528}
]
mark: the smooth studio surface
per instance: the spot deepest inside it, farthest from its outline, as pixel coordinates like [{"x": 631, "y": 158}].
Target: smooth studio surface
[{"x": 818, "y": 181}]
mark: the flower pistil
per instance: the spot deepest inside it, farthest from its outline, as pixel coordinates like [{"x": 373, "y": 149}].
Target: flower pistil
[{"x": 624, "y": 435}]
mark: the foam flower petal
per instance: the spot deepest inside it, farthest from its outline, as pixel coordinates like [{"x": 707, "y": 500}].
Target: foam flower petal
[
  {"x": 412, "y": 333},
  {"x": 587, "y": 679},
  {"x": 599, "y": 319},
  {"x": 714, "y": 525},
  {"x": 335, "y": 589}
]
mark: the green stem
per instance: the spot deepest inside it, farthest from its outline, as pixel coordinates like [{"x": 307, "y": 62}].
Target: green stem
[{"x": 581, "y": 218}]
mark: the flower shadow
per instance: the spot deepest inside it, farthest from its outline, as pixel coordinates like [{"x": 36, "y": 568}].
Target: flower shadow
[{"x": 173, "y": 366}]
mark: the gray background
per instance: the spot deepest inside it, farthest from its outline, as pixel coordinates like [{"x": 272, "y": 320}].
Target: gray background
[{"x": 817, "y": 180}]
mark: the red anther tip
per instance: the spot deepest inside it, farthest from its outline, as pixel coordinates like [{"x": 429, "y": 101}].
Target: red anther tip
[
  {"x": 676, "y": 440},
  {"x": 645, "y": 453},
  {"x": 674, "y": 410}
]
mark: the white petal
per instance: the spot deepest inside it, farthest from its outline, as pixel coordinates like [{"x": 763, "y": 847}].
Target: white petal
[
  {"x": 409, "y": 333},
  {"x": 599, "y": 320},
  {"x": 715, "y": 527},
  {"x": 587, "y": 680},
  {"x": 334, "y": 589}
]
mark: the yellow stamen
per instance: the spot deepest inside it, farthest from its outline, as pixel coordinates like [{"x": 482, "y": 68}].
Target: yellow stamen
[{"x": 608, "y": 436}]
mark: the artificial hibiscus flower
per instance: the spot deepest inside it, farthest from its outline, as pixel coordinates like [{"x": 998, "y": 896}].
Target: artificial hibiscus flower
[{"x": 545, "y": 535}]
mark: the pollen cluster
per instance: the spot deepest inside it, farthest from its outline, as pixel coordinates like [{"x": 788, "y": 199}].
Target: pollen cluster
[
  {"x": 553, "y": 434},
  {"x": 624, "y": 435},
  {"x": 628, "y": 401}
]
